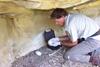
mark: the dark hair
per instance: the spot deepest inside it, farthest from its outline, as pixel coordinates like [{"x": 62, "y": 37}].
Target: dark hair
[{"x": 58, "y": 12}]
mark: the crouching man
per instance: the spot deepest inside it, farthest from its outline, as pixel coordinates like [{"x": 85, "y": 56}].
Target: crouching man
[{"x": 82, "y": 34}]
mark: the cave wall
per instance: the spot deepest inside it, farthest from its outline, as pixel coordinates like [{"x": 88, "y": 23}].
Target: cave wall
[{"x": 22, "y": 28}]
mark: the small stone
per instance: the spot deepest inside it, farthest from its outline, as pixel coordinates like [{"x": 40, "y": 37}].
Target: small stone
[{"x": 38, "y": 53}]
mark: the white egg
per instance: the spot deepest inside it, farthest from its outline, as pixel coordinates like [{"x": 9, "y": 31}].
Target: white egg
[{"x": 38, "y": 53}]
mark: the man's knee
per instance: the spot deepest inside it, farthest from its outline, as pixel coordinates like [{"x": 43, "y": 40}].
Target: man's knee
[
  {"x": 67, "y": 55},
  {"x": 71, "y": 56}
]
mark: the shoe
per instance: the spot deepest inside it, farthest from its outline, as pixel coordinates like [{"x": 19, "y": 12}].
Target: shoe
[{"x": 95, "y": 58}]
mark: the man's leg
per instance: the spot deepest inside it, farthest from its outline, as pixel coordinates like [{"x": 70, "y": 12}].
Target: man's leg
[{"x": 80, "y": 52}]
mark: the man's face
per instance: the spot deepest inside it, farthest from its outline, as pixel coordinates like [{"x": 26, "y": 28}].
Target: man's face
[{"x": 60, "y": 21}]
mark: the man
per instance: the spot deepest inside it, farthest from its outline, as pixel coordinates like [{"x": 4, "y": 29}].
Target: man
[{"x": 82, "y": 34}]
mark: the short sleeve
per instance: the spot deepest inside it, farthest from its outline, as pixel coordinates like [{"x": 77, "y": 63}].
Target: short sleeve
[{"x": 72, "y": 30}]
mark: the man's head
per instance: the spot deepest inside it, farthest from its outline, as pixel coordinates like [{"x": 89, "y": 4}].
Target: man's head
[{"x": 58, "y": 15}]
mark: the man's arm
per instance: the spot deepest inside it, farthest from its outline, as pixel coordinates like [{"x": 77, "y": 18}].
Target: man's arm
[
  {"x": 69, "y": 43},
  {"x": 63, "y": 38},
  {"x": 66, "y": 41}
]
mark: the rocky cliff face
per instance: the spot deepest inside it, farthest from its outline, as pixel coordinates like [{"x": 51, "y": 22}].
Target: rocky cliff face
[{"x": 21, "y": 26}]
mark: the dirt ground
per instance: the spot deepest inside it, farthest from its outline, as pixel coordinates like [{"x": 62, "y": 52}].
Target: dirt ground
[{"x": 49, "y": 58}]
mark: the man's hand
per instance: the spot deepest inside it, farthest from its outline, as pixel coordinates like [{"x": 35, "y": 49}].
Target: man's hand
[
  {"x": 66, "y": 41},
  {"x": 63, "y": 38},
  {"x": 69, "y": 43}
]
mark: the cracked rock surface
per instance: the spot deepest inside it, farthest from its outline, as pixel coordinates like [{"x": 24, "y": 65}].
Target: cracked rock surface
[{"x": 49, "y": 58}]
